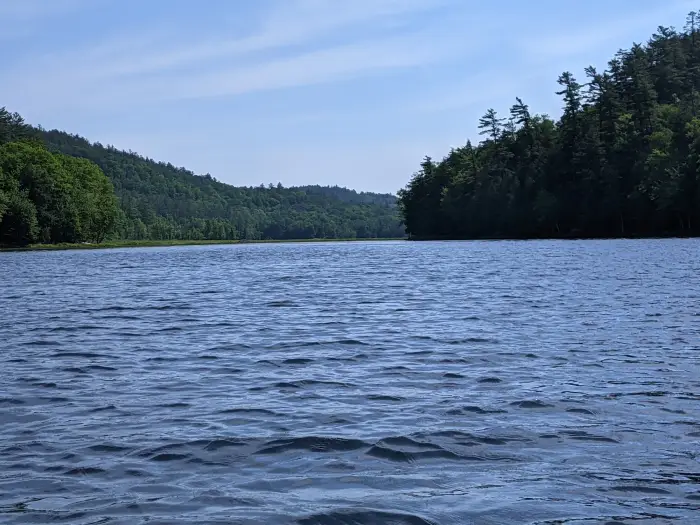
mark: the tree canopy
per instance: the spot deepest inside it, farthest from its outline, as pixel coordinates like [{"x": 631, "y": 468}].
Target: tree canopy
[{"x": 622, "y": 160}]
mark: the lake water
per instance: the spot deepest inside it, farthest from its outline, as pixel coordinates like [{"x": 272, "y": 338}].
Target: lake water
[{"x": 352, "y": 383}]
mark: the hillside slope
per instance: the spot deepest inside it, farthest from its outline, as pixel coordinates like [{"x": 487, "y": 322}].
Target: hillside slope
[{"x": 160, "y": 201}]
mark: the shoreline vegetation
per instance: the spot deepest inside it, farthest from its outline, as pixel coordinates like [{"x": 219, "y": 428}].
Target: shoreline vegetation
[
  {"x": 107, "y": 245},
  {"x": 622, "y": 161}
]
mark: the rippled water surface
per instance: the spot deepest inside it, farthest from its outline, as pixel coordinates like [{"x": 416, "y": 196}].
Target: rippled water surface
[{"x": 360, "y": 383}]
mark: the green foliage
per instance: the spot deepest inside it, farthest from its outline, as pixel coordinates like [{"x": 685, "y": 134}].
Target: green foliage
[
  {"x": 5, "y": 188},
  {"x": 624, "y": 158},
  {"x": 19, "y": 225},
  {"x": 51, "y": 198},
  {"x": 12, "y": 127},
  {"x": 158, "y": 201},
  {"x": 93, "y": 195}
]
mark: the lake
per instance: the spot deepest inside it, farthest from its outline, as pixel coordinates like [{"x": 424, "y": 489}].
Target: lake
[{"x": 352, "y": 383}]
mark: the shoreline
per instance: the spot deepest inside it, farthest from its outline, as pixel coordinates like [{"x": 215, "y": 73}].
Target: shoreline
[{"x": 111, "y": 245}]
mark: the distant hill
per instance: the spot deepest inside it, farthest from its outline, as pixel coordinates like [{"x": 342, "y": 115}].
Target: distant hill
[{"x": 160, "y": 201}]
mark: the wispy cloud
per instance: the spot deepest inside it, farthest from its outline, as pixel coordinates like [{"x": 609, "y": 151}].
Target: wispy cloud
[
  {"x": 147, "y": 68},
  {"x": 326, "y": 65},
  {"x": 289, "y": 23}
]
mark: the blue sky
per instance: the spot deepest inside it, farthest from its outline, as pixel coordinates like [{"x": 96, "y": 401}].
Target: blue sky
[{"x": 347, "y": 92}]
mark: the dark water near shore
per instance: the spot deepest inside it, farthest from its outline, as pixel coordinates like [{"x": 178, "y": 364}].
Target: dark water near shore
[{"x": 366, "y": 383}]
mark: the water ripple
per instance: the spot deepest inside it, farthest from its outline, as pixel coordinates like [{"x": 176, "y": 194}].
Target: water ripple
[{"x": 366, "y": 383}]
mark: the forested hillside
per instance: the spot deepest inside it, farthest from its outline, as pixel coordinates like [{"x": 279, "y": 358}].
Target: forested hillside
[
  {"x": 623, "y": 159},
  {"x": 160, "y": 201}
]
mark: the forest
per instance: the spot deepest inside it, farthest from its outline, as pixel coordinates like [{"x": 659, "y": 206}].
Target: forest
[
  {"x": 49, "y": 197},
  {"x": 623, "y": 160},
  {"x": 57, "y": 187}
]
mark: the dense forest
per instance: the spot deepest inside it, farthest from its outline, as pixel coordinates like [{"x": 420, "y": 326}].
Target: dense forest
[
  {"x": 49, "y": 197},
  {"x": 158, "y": 201},
  {"x": 623, "y": 159},
  {"x": 161, "y": 202}
]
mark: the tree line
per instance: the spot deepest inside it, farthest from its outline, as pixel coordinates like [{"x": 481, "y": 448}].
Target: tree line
[
  {"x": 622, "y": 160},
  {"x": 57, "y": 187}
]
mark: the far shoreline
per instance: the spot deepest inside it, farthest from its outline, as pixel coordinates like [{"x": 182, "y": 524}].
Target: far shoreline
[{"x": 111, "y": 245}]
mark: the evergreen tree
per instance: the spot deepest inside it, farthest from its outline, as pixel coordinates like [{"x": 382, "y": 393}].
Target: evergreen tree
[{"x": 623, "y": 159}]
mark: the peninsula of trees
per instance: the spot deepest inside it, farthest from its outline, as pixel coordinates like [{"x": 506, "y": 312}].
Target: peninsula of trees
[
  {"x": 623, "y": 159},
  {"x": 56, "y": 187}
]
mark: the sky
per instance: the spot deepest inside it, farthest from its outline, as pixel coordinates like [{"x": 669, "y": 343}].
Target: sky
[{"x": 333, "y": 92}]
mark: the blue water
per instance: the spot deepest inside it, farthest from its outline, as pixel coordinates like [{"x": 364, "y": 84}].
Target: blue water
[{"x": 352, "y": 383}]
